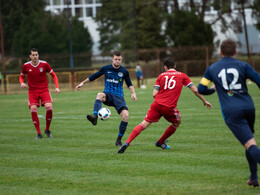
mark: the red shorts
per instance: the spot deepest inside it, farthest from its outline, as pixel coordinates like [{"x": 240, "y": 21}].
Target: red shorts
[
  {"x": 37, "y": 98},
  {"x": 156, "y": 111}
]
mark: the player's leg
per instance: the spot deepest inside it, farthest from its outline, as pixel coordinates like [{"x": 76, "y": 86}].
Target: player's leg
[
  {"x": 251, "y": 145},
  {"x": 36, "y": 121},
  {"x": 253, "y": 180},
  {"x": 123, "y": 125},
  {"x": 33, "y": 105},
  {"x": 46, "y": 101},
  {"x": 168, "y": 132},
  {"x": 152, "y": 116},
  {"x": 48, "y": 117},
  {"x": 122, "y": 109},
  {"x": 253, "y": 149},
  {"x": 136, "y": 131},
  {"x": 173, "y": 116},
  {"x": 101, "y": 97},
  {"x": 240, "y": 127}
]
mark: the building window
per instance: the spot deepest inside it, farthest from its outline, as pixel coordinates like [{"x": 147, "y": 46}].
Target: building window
[
  {"x": 79, "y": 12},
  {"x": 89, "y": 12},
  {"x": 67, "y": 2},
  {"x": 79, "y": 2},
  {"x": 56, "y": 2},
  {"x": 67, "y": 11},
  {"x": 89, "y": 1},
  {"x": 97, "y": 10}
]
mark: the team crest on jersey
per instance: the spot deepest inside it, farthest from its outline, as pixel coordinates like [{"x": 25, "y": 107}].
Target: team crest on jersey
[
  {"x": 230, "y": 93},
  {"x": 41, "y": 69},
  {"x": 120, "y": 74}
]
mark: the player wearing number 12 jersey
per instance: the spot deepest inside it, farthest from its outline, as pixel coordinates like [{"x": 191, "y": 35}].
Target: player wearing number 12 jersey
[
  {"x": 167, "y": 90},
  {"x": 229, "y": 76}
]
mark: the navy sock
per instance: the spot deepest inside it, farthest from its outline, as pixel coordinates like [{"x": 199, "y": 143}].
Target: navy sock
[
  {"x": 122, "y": 129},
  {"x": 252, "y": 166},
  {"x": 254, "y": 152},
  {"x": 97, "y": 107}
]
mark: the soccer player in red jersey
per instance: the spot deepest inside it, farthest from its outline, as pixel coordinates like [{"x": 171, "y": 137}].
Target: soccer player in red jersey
[
  {"x": 38, "y": 89},
  {"x": 167, "y": 90}
]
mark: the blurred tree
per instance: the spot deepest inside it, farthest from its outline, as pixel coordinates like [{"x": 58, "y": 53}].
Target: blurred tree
[
  {"x": 149, "y": 24},
  {"x": 187, "y": 29},
  {"x": 13, "y": 14},
  {"x": 110, "y": 19},
  {"x": 256, "y": 13},
  {"x": 116, "y": 24},
  {"x": 27, "y": 25}
]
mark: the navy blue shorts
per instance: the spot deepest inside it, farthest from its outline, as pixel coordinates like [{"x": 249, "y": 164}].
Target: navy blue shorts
[
  {"x": 115, "y": 101},
  {"x": 241, "y": 123}
]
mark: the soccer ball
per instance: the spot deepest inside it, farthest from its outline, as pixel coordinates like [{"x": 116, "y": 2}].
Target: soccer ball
[{"x": 104, "y": 113}]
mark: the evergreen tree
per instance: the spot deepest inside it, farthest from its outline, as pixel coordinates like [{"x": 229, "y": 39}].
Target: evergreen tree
[
  {"x": 117, "y": 26},
  {"x": 27, "y": 25},
  {"x": 187, "y": 29}
]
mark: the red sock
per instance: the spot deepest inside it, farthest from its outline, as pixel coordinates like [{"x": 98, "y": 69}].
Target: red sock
[
  {"x": 136, "y": 131},
  {"x": 36, "y": 121},
  {"x": 48, "y": 117},
  {"x": 168, "y": 132}
]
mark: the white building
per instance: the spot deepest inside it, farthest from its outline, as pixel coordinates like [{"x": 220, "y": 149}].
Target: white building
[{"x": 85, "y": 10}]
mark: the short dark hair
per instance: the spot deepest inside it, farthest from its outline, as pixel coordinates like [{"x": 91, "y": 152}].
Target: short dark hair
[
  {"x": 228, "y": 47},
  {"x": 33, "y": 49},
  {"x": 117, "y": 53},
  {"x": 169, "y": 62}
]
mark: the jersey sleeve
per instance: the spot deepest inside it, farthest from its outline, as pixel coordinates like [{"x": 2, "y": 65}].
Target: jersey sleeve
[
  {"x": 186, "y": 80},
  {"x": 204, "y": 83},
  {"x": 253, "y": 75},
  {"x": 23, "y": 72},
  {"x": 127, "y": 79},
  {"x": 97, "y": 74},
  {"x": 48, "y": 68}
]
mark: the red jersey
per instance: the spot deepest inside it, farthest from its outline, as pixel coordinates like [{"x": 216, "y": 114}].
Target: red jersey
[
  {"x": 36, "y": 75},
  {"x": 170, "y": 84}
]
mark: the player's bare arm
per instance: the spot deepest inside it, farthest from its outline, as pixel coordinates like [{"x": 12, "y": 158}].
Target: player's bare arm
[
  {"x": 133, "y": 94},
  {"x": 82, "y": 83},
  {"x": 196, "y": 92}
]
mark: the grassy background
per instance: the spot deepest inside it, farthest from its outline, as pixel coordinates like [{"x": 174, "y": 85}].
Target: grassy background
[{"x": 205, "y": 158}]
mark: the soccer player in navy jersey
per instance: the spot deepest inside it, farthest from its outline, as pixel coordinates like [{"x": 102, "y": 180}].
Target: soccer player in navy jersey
[
  {"x": 229, "y": 76},
  {"x": 167, "y": 90},
  {"x": 113, "y": 94},
  {"x": 39, "y": 93}
]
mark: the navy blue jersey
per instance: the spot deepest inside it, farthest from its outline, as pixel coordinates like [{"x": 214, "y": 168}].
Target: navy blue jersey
[
  {"x": 229, "y": 76},
  {"x": 114, "y": 79}
]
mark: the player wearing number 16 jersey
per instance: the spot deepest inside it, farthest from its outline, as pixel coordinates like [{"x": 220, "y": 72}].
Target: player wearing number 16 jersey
[
  {"x": 167, "y": 90},
  {"x": 229, "y": 76}
]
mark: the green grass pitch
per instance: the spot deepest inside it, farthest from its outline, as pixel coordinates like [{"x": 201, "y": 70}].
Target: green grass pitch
[{"x": 205, "y": 158}]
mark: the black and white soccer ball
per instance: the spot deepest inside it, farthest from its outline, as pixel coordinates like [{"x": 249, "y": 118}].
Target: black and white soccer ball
[{"x": 104, "y": 114}]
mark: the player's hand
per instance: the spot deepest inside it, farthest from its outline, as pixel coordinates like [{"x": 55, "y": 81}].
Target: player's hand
[
  {"x": 208, "y": 105},
  {"x": 79, "y": 86},
  {"x": 133, "y": 96},
  {"x": 213, "y": 87},
  {"x": 23, "y": 85},
  {"x": 57, "y": 90}
]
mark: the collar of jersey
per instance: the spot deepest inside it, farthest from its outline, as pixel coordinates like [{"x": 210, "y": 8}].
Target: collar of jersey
[{"x": 35, "y": 65}]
